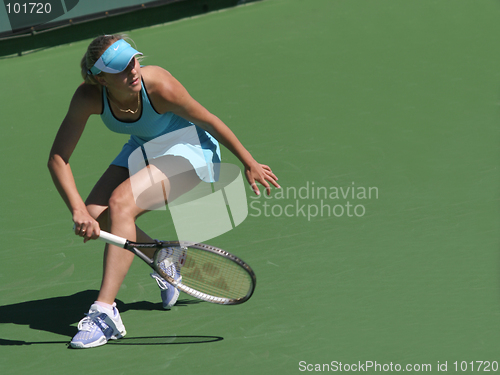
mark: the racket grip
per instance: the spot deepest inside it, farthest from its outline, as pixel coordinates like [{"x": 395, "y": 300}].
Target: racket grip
[{"x": 112, "y": 239}]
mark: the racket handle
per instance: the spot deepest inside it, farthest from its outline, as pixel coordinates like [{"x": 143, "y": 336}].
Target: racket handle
[{"x": 112, "y": 239}]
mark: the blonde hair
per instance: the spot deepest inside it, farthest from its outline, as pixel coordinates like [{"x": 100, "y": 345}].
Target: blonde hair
[{"x": 95, "y": 49}]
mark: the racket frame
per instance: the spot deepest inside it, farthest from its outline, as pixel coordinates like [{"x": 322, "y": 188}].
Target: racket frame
[{"x": 135, "y": 247}]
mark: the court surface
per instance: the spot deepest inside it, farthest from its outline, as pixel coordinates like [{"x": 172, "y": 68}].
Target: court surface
[{"x": 380, "y": 119}]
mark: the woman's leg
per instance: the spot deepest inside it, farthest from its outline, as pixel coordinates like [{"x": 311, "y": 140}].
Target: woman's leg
[
  {"x": 112, "y": 203},
  {"x": 123, "y": 211},
  {"x": 98, "y": 206}
]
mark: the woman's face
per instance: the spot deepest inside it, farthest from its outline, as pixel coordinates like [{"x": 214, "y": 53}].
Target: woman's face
[{"x": 127, "y": 81}]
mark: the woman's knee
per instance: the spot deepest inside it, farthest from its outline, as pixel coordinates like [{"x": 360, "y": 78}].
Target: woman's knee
[{"x": 121, "y": 203}]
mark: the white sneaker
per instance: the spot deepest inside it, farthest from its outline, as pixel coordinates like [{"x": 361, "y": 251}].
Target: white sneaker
[
  {"x": 98, "y": 327},
  {"x": 169, "y": 293}
]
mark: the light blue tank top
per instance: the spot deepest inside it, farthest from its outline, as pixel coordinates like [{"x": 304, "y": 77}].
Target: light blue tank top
[{"x": 150, "y": 124}]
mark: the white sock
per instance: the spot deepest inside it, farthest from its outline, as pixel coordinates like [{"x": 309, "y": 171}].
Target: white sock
[{"x": 106, "y": 306}]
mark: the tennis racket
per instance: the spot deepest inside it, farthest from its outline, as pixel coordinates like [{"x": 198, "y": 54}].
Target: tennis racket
[{"x": 202, "y": 271}]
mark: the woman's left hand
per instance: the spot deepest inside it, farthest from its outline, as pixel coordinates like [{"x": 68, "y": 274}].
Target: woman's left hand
[{"x": 262, "y": 174}]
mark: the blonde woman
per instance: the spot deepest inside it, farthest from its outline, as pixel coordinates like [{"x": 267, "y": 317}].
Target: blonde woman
[{"x": 145, "y": 102}]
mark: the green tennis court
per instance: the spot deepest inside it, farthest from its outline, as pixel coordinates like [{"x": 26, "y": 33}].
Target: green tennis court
[{"x": 380, "y": 119}]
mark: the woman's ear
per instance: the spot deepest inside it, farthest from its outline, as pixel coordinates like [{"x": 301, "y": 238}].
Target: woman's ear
[{"x": 101, "y": 80}]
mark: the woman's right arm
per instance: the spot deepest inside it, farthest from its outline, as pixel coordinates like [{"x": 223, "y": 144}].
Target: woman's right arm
[{"x": 85, "y": 102}]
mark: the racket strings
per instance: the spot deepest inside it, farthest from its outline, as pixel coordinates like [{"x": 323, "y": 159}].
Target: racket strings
[
  {"x": 205, "y": 274},
  {"x": 215, "y": 275}
]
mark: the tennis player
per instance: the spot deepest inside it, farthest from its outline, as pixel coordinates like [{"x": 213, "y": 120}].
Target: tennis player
[{"x": 145, "y": 102}]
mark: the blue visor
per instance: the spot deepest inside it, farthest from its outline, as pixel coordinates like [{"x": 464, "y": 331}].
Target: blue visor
[{"x": 115, "y": 59}]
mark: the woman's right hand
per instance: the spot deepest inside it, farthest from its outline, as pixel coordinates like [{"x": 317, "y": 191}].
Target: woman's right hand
[{"x": 86, "y": 226}]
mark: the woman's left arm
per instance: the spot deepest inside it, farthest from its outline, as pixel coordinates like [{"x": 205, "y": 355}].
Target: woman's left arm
[{"x": 171, "y": 96}]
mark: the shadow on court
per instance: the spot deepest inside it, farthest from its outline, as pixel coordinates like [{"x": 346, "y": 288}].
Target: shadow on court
[
  {"x": 146, "y": 340},
  {"x": 59, "y": 314}
]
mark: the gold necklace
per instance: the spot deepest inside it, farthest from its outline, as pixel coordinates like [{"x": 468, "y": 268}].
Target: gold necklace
[{"x": 126, "y": 110}]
